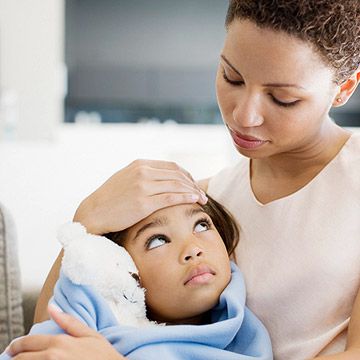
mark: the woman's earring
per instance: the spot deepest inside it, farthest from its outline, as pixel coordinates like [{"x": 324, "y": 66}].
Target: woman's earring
[{"x": 339, "y": 100}]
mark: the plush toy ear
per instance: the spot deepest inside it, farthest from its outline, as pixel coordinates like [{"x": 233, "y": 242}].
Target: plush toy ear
[{"x": 70, "y": 232}]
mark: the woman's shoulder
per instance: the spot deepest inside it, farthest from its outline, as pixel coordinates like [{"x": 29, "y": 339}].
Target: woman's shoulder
[
  {"x": 355, "y": 142},
  {"x": 229, "y": 178},
  {"x": 347, "y": 166},
  {"x": 350, "y": 153},
  {"x": 233, "y": 169}
]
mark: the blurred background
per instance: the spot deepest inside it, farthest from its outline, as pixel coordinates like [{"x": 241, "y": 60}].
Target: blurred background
[{"x": 87, "y": 86}]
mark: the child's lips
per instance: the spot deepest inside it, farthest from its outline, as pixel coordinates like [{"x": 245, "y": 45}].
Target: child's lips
[{"x": 201, "y": 274}]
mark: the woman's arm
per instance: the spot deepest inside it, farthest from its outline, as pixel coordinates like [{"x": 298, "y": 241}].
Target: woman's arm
[
  {"x": 47, "y": 290},
  {"x": 353, "y": 339},
  {"x": 130, "y": 195},
  {"x": 352, "y": 351}
]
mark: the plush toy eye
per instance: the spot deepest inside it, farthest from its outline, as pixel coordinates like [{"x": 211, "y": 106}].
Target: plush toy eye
[
  {"x": 129, "y": 299},
  {"x": 135, "y": 276}
]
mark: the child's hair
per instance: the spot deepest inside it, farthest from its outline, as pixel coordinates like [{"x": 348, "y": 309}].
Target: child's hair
[
  {"x": 332, "y": 27},
  {"x": 222, "y": 219}
]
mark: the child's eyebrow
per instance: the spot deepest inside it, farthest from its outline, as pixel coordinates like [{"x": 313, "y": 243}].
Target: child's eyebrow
[
  {"x": 160, "y": 221},
  {"x": 194, "y": 211}
]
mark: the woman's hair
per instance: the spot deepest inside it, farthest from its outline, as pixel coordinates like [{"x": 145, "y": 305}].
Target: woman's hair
[
  {"x": 221, "y": 218},
  {"x": 332, "y": 27}
]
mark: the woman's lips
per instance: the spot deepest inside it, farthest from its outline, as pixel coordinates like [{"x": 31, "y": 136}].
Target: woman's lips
[
  {"x": 201, "y": 274},
  {"x": 246, "y": 141}
]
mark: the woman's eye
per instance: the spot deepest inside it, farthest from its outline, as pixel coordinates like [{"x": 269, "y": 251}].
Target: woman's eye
[
  {"x": 283, "y": 104},
  {"x": 156, "y": 242},
  {"x": 232, "y": 82},
  {"x": 201, "y": 226}
]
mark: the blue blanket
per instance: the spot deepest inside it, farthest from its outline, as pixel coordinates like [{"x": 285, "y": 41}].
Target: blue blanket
[{"x": 235, "y": 332}]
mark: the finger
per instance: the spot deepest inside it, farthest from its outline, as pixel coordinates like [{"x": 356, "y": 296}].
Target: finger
[
  {"x": 175, "y": 186},
  {"x": 170, "y": 185},
  {"x": 69, "y": 324},
  {"x": 161, "y": 175},
  {"x": 29, "y": 343},
  {"x": 163, "y": 164},
  {"x": 161, "y": 201},
  {"x": 153, "y": 173},
  {"x": 31, "y": 356}
]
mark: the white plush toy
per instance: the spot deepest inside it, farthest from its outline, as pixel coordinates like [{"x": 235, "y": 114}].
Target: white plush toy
[{"x": 97, "y": 261}]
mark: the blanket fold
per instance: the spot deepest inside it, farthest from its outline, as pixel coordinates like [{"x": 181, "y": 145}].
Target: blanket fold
[{"x": 234, "y": 333}]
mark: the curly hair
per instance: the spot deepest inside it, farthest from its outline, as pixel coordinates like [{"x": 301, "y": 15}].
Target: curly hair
[{"x": 332, "y": 27}]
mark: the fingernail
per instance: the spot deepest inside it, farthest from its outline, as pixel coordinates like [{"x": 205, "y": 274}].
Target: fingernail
[
  {"x": 194, "y": 197},
  {"x": 204, "y": 197}
]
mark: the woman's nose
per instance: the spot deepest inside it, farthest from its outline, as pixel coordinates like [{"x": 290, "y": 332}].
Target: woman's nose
[{"x": 247, "y": 112}]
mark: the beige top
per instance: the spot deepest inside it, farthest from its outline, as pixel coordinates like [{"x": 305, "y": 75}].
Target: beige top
[{"x": 300, "y": 255}]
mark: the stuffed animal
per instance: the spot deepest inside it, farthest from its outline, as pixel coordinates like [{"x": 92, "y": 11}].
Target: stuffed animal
[{"x": 108, "y": 268}]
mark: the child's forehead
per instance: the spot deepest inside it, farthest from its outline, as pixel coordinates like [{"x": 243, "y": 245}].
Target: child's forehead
[{"x": 172, "y": 212}]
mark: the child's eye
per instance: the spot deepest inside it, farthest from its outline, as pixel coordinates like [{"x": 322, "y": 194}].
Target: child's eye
[
  {"x": 156, "y": 241},
  {"x": 202, "y": 225}
]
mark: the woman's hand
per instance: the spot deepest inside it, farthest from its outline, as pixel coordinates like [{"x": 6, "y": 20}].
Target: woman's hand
[
  {"x": 127, "y": 197},
  {"x": 80, "y": 343},
  {"x": 134, "y": 193}
]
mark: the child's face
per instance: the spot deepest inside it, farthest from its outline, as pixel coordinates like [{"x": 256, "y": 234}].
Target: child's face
[{"x": 182, "y": 261}]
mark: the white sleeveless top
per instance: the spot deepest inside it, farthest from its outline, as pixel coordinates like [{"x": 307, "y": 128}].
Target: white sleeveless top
[{"x": 300, "y": 255}]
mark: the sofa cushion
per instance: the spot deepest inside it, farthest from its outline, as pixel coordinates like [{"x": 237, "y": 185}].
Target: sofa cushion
[{"x": 11, "y": 315}]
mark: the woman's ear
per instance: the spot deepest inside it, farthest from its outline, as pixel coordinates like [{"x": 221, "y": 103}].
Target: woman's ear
[{"x": 347, "y": 89}]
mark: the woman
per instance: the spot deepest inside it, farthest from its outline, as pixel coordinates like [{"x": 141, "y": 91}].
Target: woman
[{"x": 296, "y": 191}]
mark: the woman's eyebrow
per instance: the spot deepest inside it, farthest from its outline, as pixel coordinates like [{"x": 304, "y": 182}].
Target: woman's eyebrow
[
  {"x": 160, "y": 221},
  {"x": 265, "y": 85},
  {"x": 228, "y": 62}
]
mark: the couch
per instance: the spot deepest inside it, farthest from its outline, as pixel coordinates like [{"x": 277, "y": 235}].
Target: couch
[{"x": 11, "y": 311}]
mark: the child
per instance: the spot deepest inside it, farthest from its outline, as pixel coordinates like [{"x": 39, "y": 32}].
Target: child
[{"x": 182, "y": 254}]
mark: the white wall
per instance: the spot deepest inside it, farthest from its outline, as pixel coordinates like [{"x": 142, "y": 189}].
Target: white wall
[
  {"x": 157, "y": 51},
  {"x": 31, "y": 59},
  {"x": 143, "y": 33}
]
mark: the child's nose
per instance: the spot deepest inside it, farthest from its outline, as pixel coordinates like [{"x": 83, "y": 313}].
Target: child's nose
[{"x": 192, "y": 252}]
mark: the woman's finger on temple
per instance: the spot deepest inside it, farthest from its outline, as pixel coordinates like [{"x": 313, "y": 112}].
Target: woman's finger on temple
[
  {"x": 161, "y": 201},
  {"x": 176, "y": 186},
  {"x": 162, "y": 164},
  {"x": 174, "y": 175}
]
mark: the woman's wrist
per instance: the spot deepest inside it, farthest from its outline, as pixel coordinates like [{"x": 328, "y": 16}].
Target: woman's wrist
[{"x": 84, "y": 215}]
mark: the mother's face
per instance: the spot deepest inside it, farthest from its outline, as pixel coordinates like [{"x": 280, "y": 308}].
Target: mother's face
[{"x": 274, "y": 91}]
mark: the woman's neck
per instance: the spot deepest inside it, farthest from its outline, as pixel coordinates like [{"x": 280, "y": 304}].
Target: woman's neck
[
  {"x": 282, "y": 175},
  {"x": 311, "y": 158}
]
